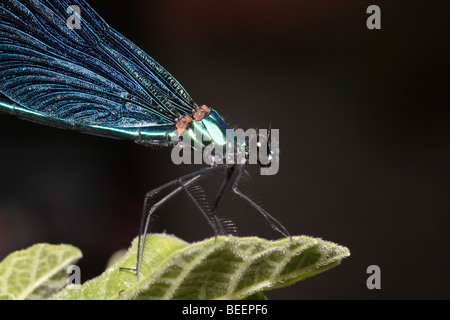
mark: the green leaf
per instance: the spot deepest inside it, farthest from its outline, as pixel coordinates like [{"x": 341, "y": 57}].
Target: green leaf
[
  {"x": 216, "y": 268},
  {"x": 256, "y": 296},
  {"x": 37, "y": 272}
]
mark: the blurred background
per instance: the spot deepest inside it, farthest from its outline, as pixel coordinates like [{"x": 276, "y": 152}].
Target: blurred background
[{"x": 364, "y": 136}]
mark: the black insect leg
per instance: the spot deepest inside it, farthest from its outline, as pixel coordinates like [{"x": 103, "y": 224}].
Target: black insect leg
[
  {"x": 143, "y": 230},
  {"x": 219, "y": 195},
  {"x": 147, "y": 213},
  {"x": 274, "y": 223},
  {"x": 181, "y": 184},
  {"x": 199, "y": 207}
]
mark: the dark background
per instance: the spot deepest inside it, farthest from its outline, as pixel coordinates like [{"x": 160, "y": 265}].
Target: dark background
[{"x": 364, "y": 137}]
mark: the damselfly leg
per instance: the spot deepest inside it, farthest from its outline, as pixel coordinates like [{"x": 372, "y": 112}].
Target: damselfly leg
[
  {"x": 182, "y": 185},
  {"x": 274, "y": 223},
  {"x": 221, "y": 189}
]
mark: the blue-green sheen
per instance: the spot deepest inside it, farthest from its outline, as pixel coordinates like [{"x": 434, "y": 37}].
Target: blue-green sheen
[{"x": 91, "y": 79}]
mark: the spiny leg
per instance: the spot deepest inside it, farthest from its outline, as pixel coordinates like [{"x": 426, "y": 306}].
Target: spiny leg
[
  {"x": 199, "y": 207},
  {"x": 148, "y": 197},
  {"x": 219, "y": 195},
  {"x": 146, "y": 217},
  {"x": 156, "y": 206},
  {"x": 147, "y": 213},
  {"x": 274, "y": 223},
  {"x": 145, "y": 209}
]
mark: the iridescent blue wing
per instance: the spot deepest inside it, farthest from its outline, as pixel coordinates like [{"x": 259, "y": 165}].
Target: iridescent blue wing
[{"x": 91, "y": 76}]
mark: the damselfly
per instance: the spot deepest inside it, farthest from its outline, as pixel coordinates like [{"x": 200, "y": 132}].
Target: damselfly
[{"x": 62, "y": 65}]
